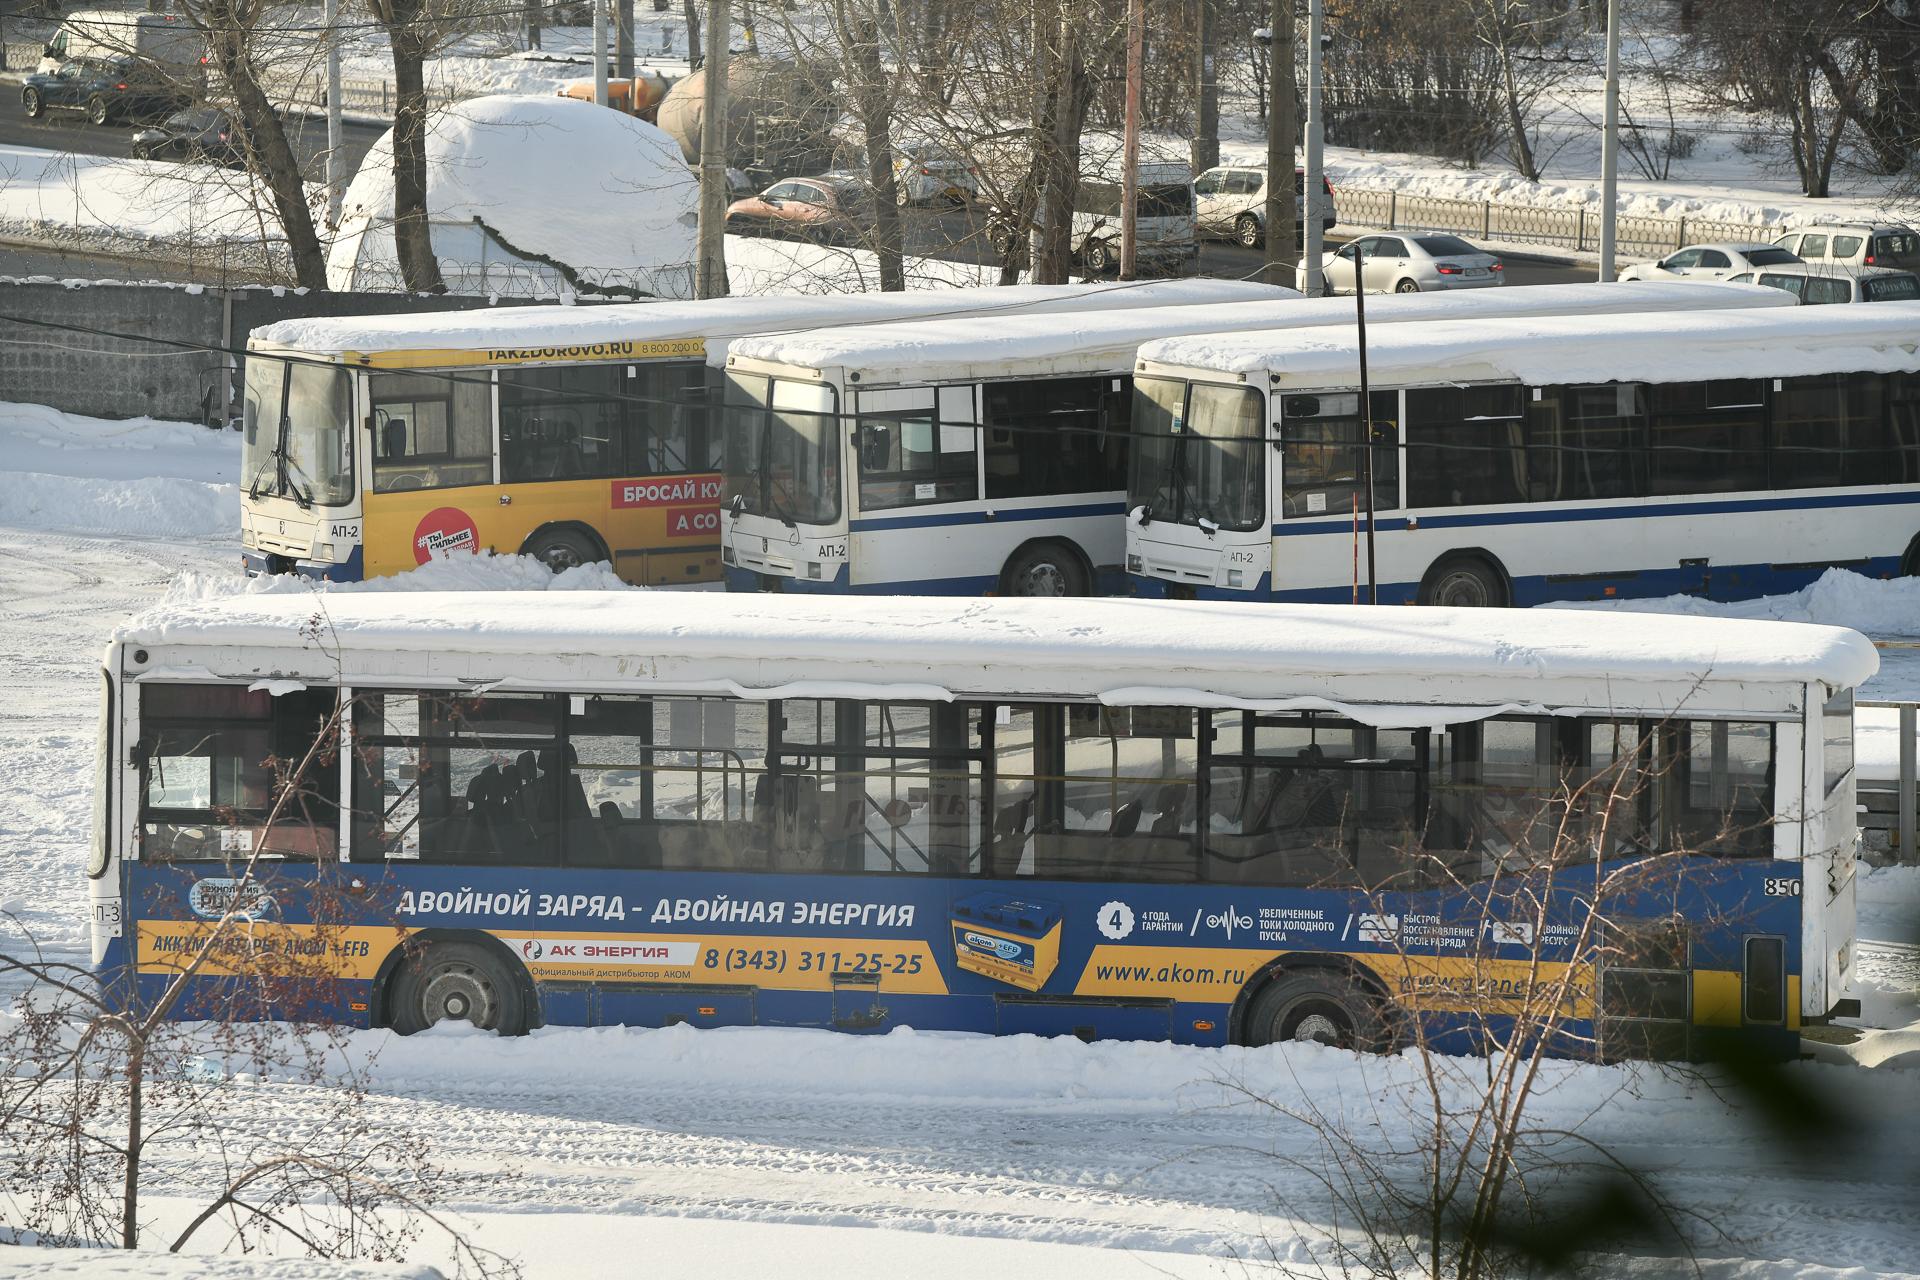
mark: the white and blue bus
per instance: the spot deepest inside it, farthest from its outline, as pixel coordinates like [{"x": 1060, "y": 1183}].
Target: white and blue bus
[
  {"x": 1208, "y": 822},
  {"x": 989, "y": 455},
  {"x": 1724, "y": 455}
]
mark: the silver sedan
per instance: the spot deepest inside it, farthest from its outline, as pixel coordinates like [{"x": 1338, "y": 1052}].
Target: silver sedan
[{"x": 1411, "y": 262}]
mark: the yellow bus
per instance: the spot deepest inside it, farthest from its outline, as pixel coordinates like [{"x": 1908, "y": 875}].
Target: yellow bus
[{"x": 373, "y": 444}]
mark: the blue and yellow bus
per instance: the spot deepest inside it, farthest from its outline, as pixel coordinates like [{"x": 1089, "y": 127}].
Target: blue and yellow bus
[{"x": 1199, "y": 821}]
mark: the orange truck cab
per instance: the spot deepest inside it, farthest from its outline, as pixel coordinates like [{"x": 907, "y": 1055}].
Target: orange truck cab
[{"x": 639, "y": 96}]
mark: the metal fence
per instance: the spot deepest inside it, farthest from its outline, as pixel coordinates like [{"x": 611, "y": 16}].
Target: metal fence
[{"x": 1570, "y": 226}]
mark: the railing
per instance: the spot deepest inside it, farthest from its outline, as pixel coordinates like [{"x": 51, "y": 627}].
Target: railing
[
  {"x": 1888, "y": 807},
  {"x": 1572, "y": 226}
]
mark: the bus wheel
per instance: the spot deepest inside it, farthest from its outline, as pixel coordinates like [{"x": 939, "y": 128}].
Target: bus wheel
[
  {"x": 456, "y": 982},
  {"x": 1910, "y": 562},
  {"x": 1319, "y": 1005},
  {"x": 1046, "y": 569},
  {"x": 1464, "y": 582},
  {"x": 560, "y": 549}
]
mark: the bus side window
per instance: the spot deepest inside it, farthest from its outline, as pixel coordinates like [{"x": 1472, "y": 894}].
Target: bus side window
[
  {"x": 432, "y": 430},
  {"x": 215, "y": 758},
  {"x": 1053, "y": 436},
  {"x": 1587, "y": 442},
  {"x": 1465, "y": 446},
  {"x": 1832, "y": 429}
]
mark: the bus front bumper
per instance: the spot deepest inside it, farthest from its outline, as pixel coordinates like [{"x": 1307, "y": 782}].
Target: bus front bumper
[{"x": 260, "y": 564}]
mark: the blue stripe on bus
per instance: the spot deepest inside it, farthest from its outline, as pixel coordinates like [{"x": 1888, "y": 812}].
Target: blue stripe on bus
[
  {"x": 1642, "y": 511},
  {"x": 1000, "y": 516}
]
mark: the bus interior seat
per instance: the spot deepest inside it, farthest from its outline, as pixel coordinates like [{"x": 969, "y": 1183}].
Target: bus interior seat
[
  {"x": 393, "y": 438},
  {"x": 1170, "y": 805}
]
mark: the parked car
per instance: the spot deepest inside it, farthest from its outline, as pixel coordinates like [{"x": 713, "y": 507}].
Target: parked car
[
  {"x": 1163, "y": 223},
  {"x": 105, "y": 89},
  {"x": 1822, "y": 282},
  {"x": 835, "y": 208},
  {"x": 1711, "y": 262},
  {"x": 1855, "y": 244},
  {"x": 926, "y": 171},
  {"x": 1411, "y": 262},
  {"x": 1231, "y": 200},
  {"x": 204, "y": 134}
]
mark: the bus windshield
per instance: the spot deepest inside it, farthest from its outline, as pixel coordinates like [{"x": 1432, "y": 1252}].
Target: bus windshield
[
  {"x": 297, "y": 439},
  {"x": 1202, "y": 465},
  {"x": 782, "y": 450}
]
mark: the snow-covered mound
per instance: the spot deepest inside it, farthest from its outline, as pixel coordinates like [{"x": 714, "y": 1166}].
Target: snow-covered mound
[
  {"x": 532, "y": 196},
  {"x": 1839, "y": 597},
  {"x": 484, "y": 572},
  {"x": 139, "y": 477}
]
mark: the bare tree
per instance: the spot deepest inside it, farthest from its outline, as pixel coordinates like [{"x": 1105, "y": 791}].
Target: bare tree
[{"x": 414, "y": 29}]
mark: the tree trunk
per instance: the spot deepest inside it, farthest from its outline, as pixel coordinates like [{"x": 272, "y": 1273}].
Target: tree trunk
[
  {"x": 1072, "y": 94},
  {"x": 268, "y": 152},
  {"x": 533, "y": 10},
  {"x": 136, "y": 1143},
  {"x": 695, "y": 56},
  {"x": 412, "y": 234},
  {"x": 1523, "y": 159},
  {"x": 871, "y": 97}
]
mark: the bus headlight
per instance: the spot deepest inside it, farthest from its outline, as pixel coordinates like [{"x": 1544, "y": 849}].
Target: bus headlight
[
  {"x": 726, "y": 555},
  {"x": 1234, "y": 578},
  {"x": 813, "y": 569},
  {"x": 1135, "y": 564},
  {"x": 323, "y": 553}
]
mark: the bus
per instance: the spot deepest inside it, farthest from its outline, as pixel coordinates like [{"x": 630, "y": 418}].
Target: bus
[
  {"x": 1209, "y": 822},
  {"x": 574, "y": 434},
  {"x": 979, "y": 457},
  {"x": 1724, "y": 455}
]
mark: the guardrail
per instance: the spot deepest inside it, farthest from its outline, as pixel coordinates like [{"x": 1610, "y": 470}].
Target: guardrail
[
  {"x": 1889, "y": 807},
  {"x": 1571, "y": 226}
]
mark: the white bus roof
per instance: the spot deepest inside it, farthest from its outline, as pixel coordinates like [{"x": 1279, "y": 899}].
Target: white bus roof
[
  {"x": 1385, "y": 665},
  {"x": 1669, "y": 347},
  {"x": 527, "y": 330},
  {"x": 921, "y": 351}
]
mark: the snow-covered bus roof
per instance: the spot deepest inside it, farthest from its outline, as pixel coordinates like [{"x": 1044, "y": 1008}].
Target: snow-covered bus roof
[
  {"x": 1883, "y": 337},
  {"x": 418, "y": 339},
  {"x": 914, "y": 352},
  {"x": 1384, "y": 665}
]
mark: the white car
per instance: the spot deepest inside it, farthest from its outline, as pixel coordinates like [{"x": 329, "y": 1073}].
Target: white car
[
  {"x": 1711, "y": 262},
  {"x": 1820, "y": 282},
  {"x": 1411, "y": 262},
  {"x": 1856, "y": 244},
  {"x": 1231, "y": 200},
  {"x": 924, "y": 172}
]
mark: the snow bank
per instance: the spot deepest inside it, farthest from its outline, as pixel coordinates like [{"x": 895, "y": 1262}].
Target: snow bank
[
  {"x": 140, "y": 477},
  {"x": 1840, "y": 598},
  {"x": 143, "y": 199},
  {"x": 763, "y": 264},
  {"x": 484, "y": 572},
  {"x": 601, "y": 192},
  {"x": 18, "y": 1262}
]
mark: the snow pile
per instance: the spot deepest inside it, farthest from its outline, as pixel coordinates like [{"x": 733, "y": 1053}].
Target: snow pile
[
  {"x": 140, "y": 199},
  {"x": 1840, "y": 597},
  {"x": 758, "y": 264},
  {"x": 533, "y": 195},
  {"x": 19, "y": 1262},
  {"x": 138, "y": 477},
  {"x": 484, "y": 572}
]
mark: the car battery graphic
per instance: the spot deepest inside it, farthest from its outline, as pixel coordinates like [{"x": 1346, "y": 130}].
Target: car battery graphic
[{"x": 1008, "y": 939}]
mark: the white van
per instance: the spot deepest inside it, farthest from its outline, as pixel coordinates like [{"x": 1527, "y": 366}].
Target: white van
[
  {"x": 1856, "y": 244},
  {"x": 164, "y": 39},
  {"x": 1818, "y": 282}
]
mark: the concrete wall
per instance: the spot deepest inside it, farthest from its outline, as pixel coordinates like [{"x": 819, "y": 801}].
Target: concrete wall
[{"x": 107, "y": 375}]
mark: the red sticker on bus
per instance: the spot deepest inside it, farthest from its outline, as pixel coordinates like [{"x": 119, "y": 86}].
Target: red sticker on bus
[
  {"x": 443, "y": 532},
  {"x": 693, "y": 522},
  {"x": 666, "y": 491}
]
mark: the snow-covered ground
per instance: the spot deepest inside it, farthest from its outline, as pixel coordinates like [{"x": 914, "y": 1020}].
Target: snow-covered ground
[{"x": 751, "y": 1152}]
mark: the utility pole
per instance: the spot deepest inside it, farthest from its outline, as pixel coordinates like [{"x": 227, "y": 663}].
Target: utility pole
[
  {"x": 1130, "y": 147},
  {"x": 713, "y": 152},
  {"x": 600, "y": 52},
  {"x": 336, "y": 176},
  {"x": 1366, "y": 417},
  {"x": 1316, "y": 151},
  {"x": 623, "y": 44},
  {"x": 1610, "y": 144},
  {"x": 1280, "y": 135},
  {"x": 1206, "y": 115}
]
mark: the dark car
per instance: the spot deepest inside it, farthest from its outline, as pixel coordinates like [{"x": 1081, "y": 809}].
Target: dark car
[
  {"x": 105, "y": 89},
  {"x": 205, "y": 134}
]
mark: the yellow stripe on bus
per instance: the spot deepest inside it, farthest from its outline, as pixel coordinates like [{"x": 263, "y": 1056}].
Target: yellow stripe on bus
[{"x": 488, "y": 356}]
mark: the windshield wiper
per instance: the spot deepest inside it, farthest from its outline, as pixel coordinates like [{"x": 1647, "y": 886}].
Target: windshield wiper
[
  {"x": 253, "y": 485},
  {"x": 305, "y": 499}
]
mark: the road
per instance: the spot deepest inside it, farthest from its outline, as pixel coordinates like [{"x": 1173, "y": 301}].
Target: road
[{"x": 70, "y": 132}]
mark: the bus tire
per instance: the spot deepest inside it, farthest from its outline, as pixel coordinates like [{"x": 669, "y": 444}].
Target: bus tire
[
  {"x": 457, "y": 981},
  {"x": 562, "y": 546},
  {"x": 1465, "y": 582},
  {"x": 1045, "y": 569},
  {"x": 1910, "y": 562},
  {"x": 1318, "y": 1004}
]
